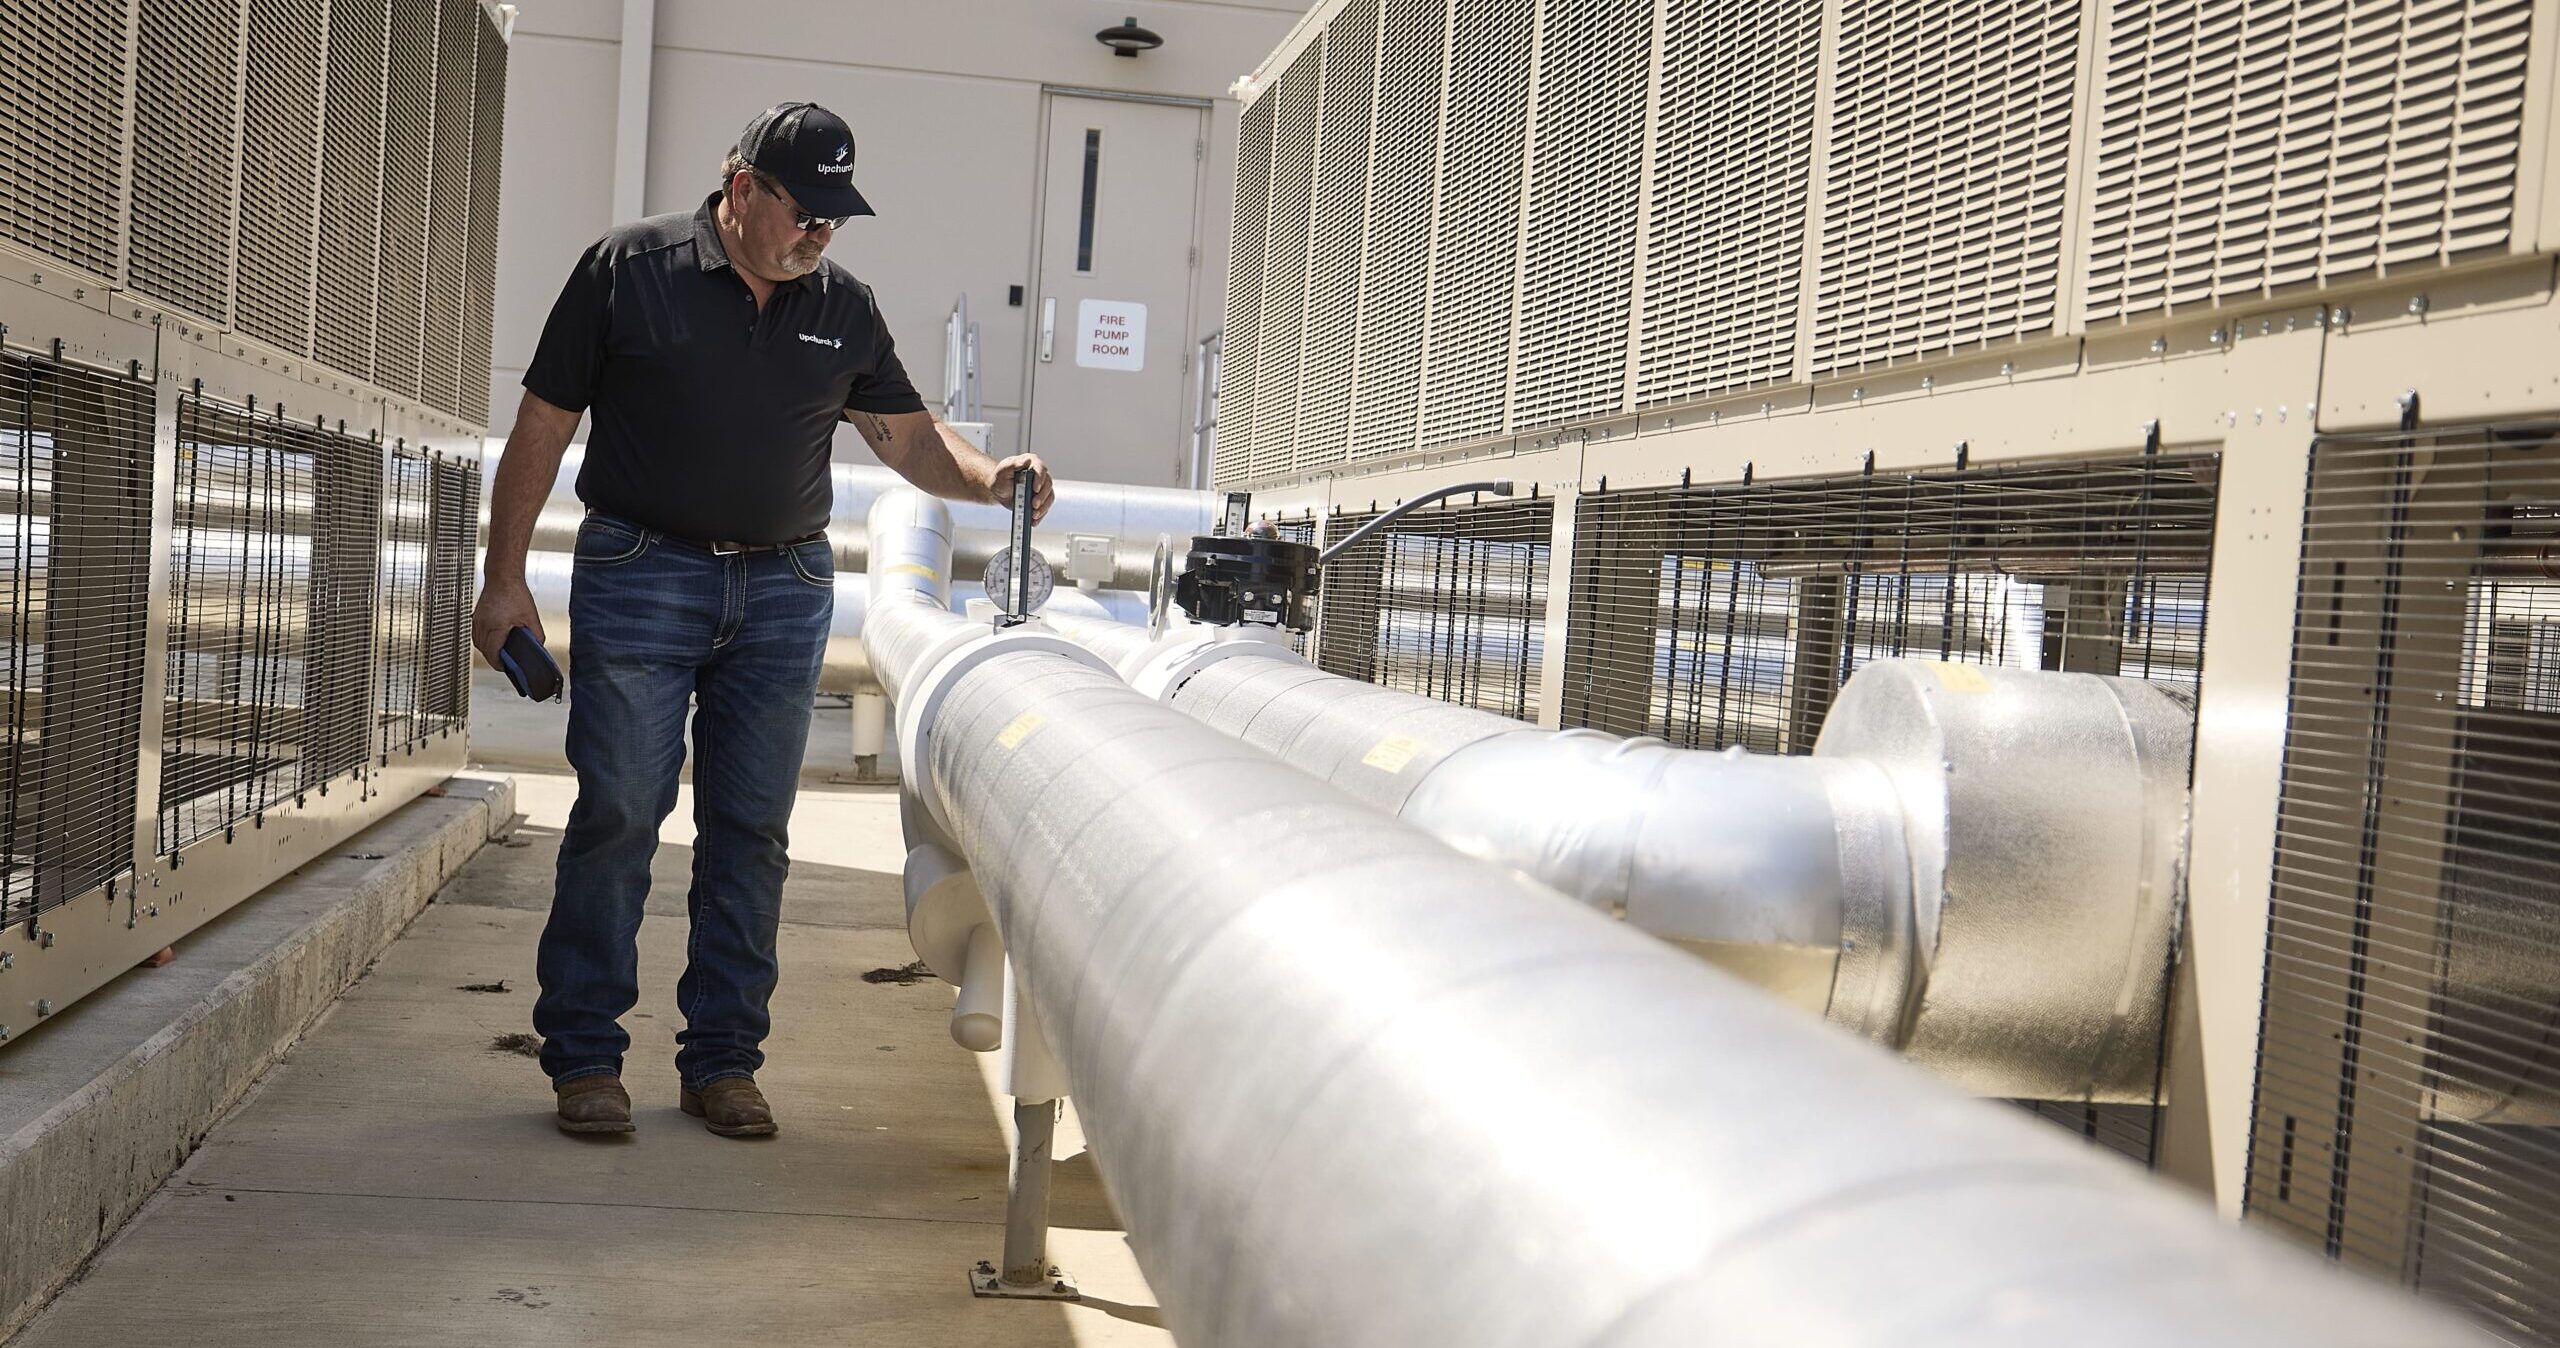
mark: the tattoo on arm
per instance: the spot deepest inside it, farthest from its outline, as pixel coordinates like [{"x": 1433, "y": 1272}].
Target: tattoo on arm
[{"x": 871, "y": 424}]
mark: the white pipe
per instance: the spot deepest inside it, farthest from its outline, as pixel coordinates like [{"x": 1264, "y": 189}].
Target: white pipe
[
  {"x": 977, "y": 1015},
  {"x": 1349, "y": 1087}
]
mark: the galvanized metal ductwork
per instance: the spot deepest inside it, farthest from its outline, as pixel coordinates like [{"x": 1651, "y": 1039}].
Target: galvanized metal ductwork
[
  {"x": 1976, "y": 867},
  {"x": 1350, "y": 1087}
]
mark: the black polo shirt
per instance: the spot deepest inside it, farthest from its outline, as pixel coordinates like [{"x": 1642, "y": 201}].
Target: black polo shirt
[{"x": 712, "y": 420}]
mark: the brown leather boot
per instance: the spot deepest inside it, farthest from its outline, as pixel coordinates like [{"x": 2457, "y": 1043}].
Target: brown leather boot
[
  {"x": 731, "y": 1107},
  {"x": 595, "y": 1104}
]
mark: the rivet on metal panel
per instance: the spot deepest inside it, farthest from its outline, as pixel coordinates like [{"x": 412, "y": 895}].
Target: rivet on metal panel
[
  {"x": 2159, "y": 345},
  {"x": 1764, "y": 409},
  {"x": 2345, "y": 315},
  {"x": 2418, "y": 304},
  {"x": 2266, "y": 327},
  {"x": 2008, "y": 368},
  {"x": 7, "y": 961},
  {"x": 44, "y": 1006},
  {"x": 2216, "y": 337},
  {"x": 1715, "y": 418},
  {"x": 1858, "y": 394},
  {"x": 44, "y": 940},
  {"x": 1928, "y": 382},
  {"x": 4, "y": 1033}
]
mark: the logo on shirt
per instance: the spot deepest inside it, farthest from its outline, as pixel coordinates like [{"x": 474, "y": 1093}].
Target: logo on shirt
[
  {"x": 839, "y": 166},
  {"x": 837, "y": 342}
]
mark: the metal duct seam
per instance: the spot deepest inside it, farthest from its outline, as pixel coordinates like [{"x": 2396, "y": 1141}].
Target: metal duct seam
[{"x": 1269, "y": 997}]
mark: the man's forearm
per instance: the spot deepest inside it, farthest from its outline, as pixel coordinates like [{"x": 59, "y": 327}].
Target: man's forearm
[
  {"x": 525, "y": 476},
  {"x": 929, "y": 454}
]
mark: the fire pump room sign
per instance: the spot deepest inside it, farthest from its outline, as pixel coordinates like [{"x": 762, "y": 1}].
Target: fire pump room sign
[{"x": 1111, "y": 335}]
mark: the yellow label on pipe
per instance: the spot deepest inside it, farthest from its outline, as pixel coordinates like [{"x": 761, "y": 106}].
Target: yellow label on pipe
[
  {"x": 1960, "y": 678},
  {"x": 1393, "y": 752},
  {"x": 1023, "y": 727},
  {"x": 916, "y": 569}
]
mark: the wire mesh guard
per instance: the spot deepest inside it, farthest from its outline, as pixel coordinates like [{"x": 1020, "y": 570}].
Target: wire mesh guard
[
  {"x": 2409, "y": 1061},
  {"x": 1715, "y": 616},
  {"x": 407, "y": 501},
  {"x": 1449, "y": 603},
  {"x": 75, "y": 458},
  {"x": 270, "y": 616}
]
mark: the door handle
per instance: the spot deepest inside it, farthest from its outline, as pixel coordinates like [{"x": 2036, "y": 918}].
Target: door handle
[{"x": 1048, "y": 327}]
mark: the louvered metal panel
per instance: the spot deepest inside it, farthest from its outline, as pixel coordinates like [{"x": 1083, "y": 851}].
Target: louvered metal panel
[
  {"x": 1387, "y": 360},
  {"x": 186, "y": 154},
  {"x": 239, "y": 609},
  {"x": 351, "y": 170},
  {"x": 1724, "y": 254},
  {"x": 1240, "y": 341},
  {"x": 1731, "y": 615},
  {"x": 1273, "y": 431},
  {"x": 1578, "y": 275},
  {"x": 399, "y": 299},
  {"x": 2248, "y": 145},
  {"x": 449, "y": 206},
  {"x": 75, "y": 469},
  {"x": 1447, "y": 602},
  {"x": 480, "y": 261},
  {"x": 406, "y": 574},
  {"x": 1475, "y": 235},
  {"x": 1335, "y": 245},
  {"x": 63, "y": 82},
  {"x": 1948, "y": 155},
  {"x": 279, "y": 158},
  {"x": 2408, "y": 1085}
]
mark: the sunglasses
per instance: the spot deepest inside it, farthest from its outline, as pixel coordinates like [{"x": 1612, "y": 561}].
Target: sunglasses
[{"x": 805, "y": 222}]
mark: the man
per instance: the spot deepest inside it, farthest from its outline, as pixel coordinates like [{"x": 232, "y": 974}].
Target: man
[{"x": 717, "y": 349}]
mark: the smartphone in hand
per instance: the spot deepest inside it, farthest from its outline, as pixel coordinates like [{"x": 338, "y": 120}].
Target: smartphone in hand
[{"x": 529, "y": 667}]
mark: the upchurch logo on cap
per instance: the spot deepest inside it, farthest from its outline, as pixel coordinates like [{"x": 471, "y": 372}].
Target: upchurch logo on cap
[{"x": 810, "y": 151}]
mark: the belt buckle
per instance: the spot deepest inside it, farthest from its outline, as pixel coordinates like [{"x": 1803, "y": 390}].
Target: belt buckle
[{"x": 727, "y": 549}]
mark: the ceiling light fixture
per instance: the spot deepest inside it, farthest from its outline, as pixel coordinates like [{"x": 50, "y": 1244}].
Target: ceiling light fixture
[{"x": 1128, "y": 39}]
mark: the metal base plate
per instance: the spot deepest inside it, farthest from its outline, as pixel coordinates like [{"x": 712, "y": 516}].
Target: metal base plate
[{"x": 986, "y": 1282}]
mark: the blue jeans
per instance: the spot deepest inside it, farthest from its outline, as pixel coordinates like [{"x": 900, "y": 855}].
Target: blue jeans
[{"x": 655, "y": 623}]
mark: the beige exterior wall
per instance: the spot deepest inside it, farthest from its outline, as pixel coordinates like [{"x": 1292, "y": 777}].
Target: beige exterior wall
[{"x": 945, "y": 103}]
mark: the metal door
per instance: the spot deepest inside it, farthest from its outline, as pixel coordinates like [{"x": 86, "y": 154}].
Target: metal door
[{"x": 1114, "y": 293}]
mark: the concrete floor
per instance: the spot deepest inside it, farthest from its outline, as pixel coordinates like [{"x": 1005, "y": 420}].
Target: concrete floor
[{"x": 398, "y": 1180}]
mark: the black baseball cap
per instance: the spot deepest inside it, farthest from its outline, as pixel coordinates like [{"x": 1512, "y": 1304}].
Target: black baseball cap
[{"x": 811, "y": 151}]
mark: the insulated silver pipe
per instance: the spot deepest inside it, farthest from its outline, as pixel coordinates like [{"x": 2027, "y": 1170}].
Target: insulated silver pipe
[
  {"x": 1288, "y": 1021},
  {"x": 1978, "y": 868},
  {"x": 1132, "y": 517}
]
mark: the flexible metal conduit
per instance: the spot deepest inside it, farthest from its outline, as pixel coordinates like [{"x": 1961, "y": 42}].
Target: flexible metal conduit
[
  {"x": 1350, "y": 1087},
  {"x": 1977, "y": 868}
]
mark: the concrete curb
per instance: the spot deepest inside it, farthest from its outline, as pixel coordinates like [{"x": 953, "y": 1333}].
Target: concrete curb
[{"x": 171, "y": 1061}]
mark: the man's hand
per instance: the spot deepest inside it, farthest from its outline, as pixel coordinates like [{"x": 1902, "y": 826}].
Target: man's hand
[
  {"x": 928, "y": 453},
  {"x": 505, "y": 605},
  {"x": 1044, "y": 491}
]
